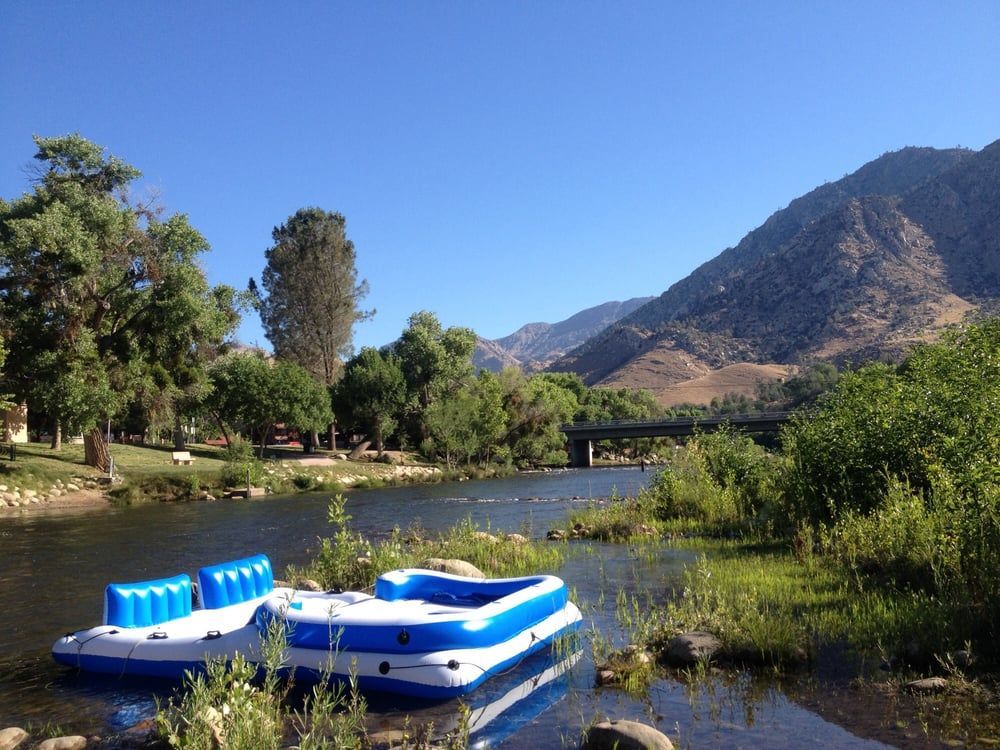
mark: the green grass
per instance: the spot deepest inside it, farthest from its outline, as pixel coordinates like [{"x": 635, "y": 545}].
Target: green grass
[
  {"x": 769, "y": 607},
  {"x": 348, "y": 561},
  {"x": 150, "y": 474}
]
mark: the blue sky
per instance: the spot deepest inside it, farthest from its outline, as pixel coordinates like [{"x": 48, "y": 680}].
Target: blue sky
[{"x": 498, "y": 163}]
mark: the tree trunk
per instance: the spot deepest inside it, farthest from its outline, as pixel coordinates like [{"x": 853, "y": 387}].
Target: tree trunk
[
  {"x": 263, "y": 439},
  {"x": 95, "y": 450},
  {"x": 178, "y": 433},
  {"x": 313, "y": 441},
  {"x": 331, "y": 434},
  {"x": 223, "y": 430},
  {"x": 56, "y": 443},
  {"x": 359, "y": 450}
]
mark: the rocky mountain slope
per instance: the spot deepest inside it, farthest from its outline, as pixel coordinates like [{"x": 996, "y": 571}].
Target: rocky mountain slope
[
  {"x": 535, "y": 345},
  {"x": 855, "y": 269}
]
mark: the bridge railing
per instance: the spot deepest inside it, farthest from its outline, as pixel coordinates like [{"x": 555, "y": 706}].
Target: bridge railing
[{"x": 763, "y": 416}]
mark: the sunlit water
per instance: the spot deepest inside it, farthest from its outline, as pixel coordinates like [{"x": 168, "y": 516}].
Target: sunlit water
[{"x": 54, "y": 566}]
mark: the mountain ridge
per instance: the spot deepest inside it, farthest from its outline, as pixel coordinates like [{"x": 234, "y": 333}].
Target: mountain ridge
[
  {"x": 859, "y": 268},
  {"x": 535, "y": 345}
]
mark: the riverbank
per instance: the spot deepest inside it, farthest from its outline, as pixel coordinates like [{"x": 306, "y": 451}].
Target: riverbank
[{"x": 41, "y": 478}]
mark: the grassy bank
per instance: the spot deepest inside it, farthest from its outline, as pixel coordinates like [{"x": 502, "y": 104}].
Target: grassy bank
[
  {"x": 776, "y": 593},
  {"x": 148, "y": 473}
]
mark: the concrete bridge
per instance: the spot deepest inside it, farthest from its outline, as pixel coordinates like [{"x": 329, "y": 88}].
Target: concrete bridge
[{"x": 582, "y": 434}]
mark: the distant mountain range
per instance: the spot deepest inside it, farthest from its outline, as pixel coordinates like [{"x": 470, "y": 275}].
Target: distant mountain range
[
  {"x": 856, "y": 269},
  {"x": 535, "y": 345}
]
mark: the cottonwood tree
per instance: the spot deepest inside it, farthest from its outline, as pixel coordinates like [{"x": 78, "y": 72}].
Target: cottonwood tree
[
  {"x": 371, "y": 394},
  {"x": 96, "y": 290},
  {"x": 435, "y": 361},
  {"x": 312, "y": 293},
  {"x": 250, "y": 391}
]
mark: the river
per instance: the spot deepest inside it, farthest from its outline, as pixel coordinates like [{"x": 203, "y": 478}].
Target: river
[{"x": 54, "y": 566}]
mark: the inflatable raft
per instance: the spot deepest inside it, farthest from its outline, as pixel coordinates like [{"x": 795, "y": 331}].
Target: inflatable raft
[
  {"x": 426, "y": 634},
  {"x": 423, "y": 633},
  {"x": 151, "y": 628}
]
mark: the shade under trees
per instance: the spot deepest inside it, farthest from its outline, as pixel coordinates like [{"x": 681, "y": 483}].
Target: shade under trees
[{"x": 99, "y": 294}]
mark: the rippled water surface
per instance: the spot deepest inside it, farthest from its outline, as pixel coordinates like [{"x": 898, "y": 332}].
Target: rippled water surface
[{"x": 54, "y": 566}]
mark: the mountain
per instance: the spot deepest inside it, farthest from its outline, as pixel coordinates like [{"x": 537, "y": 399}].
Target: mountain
[
  {"x": 535, "y": 345},
  {"x": 856, "y": 269}
]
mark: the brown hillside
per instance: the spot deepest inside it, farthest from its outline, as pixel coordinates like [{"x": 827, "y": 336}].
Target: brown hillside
[{"x": 742, "y": 378}]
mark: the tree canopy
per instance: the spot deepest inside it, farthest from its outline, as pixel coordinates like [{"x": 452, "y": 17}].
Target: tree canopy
[
  {"x": 255, "y": 394},
  {"x": 371, "y": 394},
  {"x": 99, "y": 294}
]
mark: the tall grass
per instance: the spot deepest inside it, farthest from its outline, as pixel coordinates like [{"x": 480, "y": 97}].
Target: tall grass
[{"x": 349, "y": 561}]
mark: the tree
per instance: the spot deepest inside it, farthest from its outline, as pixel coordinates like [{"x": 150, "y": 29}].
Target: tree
[
  {"x": 96, "y": 290},
  {"x": 535, "y": 408},
  {"x": 371, "y": 393},
  {"x": 435, "y": 361},
  {"x": 252, "y": 392},
  {"x": 312, "y": 293},
  {"x": 469, "y": 425}
]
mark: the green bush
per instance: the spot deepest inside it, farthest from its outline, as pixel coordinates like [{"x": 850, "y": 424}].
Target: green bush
[
  {"x": 903, "y": 541},
  {"x": 686, "y": 489},
  {"x": 903, "y": 465},
  {"x": 304, "y": 482},
  {"x": 241, "y": 465}
]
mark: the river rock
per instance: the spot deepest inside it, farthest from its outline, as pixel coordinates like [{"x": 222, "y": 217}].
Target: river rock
[
  {"x": 3, "y": 487},
  {"x": 308, "y": 584},
  {"x": 556, "y": 535},
  {"x": 688, "y": 649},
  {"x": 73, "y": 742},
  {"x": 29, "y": 493},
  {"x": 12, "y": 738},
  {"x": 55, "y": 492},
  {"x": 72, "y": 487},
  {"x": 517, "y": 539},
  {"x": 962, "y": 659},
  {"x": 927, "y": 685},
  {"x": 387, "y": 738},
  {"x": 453, "y": 566},
  {"x": 624, "y": 735},
  {"x": 484, "y": 536}
]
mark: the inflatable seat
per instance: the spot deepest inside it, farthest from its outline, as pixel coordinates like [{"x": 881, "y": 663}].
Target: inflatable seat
[
  {"x": 145, "y": 603},
  {"x": 234, "y": 582}
]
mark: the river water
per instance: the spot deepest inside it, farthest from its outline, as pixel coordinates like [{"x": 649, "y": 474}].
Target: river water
[{"x": 54, "y": 566}]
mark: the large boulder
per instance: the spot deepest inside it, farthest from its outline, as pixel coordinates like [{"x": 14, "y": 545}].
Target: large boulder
[
  {"x": 688, "y": 649},
  {"x": 927, "y": 685},
  {"x": 12, "y": 738},
  {"x": 624, "y": 735},
  {"x": 453, "y": 566},
  {"x": 75, "y": 742}
]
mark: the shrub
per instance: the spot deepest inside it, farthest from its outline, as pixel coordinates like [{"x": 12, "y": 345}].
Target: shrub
[
  {"x": 686, "y": 489},
  {"x": 903, "y": 541},
  {"x": 241, "y": 466}
]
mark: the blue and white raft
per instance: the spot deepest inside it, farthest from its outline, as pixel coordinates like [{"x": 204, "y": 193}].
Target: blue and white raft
[
  {"x": 151, "y": 629},
  {"x": 426, "y": 634},
  {"x": 423, "y": 633}
]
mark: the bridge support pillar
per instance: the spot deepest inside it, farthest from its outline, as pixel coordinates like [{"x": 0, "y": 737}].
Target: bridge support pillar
[{"x": 582, "y": 454}]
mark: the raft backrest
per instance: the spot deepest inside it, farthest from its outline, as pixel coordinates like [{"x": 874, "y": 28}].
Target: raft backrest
[
  {"x": 145, "y": 603},
  {"x": 234, "y": 582},
  {"x": 434, "y": 586}
]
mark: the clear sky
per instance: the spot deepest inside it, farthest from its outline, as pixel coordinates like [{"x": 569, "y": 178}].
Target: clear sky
[{"x": 498, "y": 163}]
